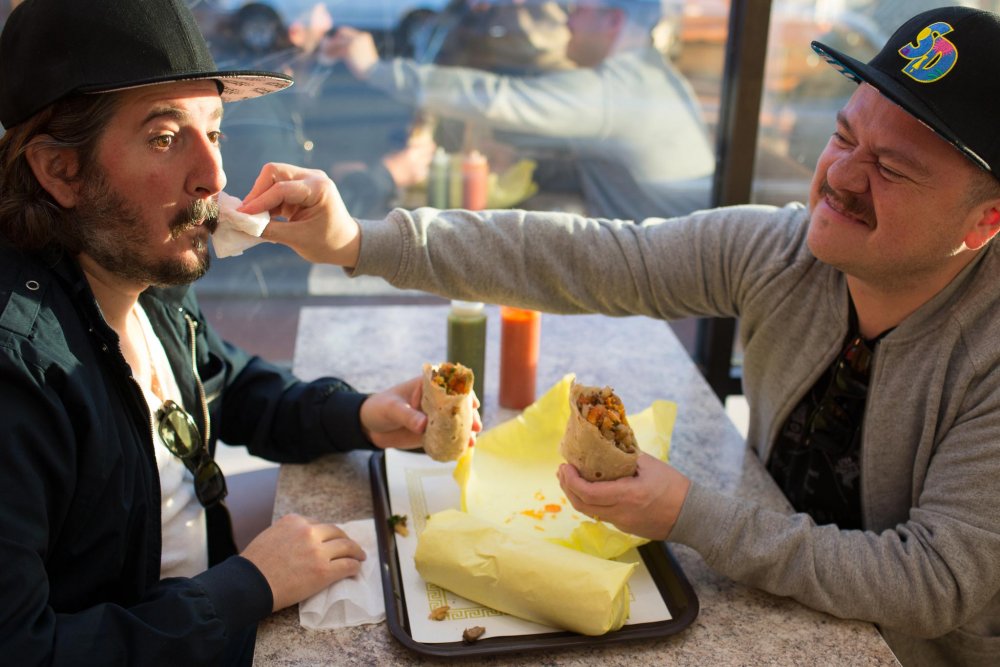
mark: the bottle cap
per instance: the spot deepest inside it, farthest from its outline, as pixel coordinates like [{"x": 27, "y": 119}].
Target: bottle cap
[{"x": 467, "y": 307}]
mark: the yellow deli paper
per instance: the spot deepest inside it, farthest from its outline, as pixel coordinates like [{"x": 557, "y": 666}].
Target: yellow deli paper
[
  {"x": 509, "y": 477},
  {"x": 523, "y": 575}
]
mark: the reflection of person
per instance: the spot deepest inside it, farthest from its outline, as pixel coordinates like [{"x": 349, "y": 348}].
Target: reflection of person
[
  {"x": 628, "y": 118},
  {"x": 272, "y": 128},
  {"x": 252, "y": 35},
  {"x": 868, "y": 322},
  {"x": 116, "y": 542},
  {"x": 509, "y": 38}
]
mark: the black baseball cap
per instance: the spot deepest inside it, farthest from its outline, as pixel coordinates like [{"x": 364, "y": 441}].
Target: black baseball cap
[
  {"x": 50, "y": 49},
  {"x": 938, "y": 66}
]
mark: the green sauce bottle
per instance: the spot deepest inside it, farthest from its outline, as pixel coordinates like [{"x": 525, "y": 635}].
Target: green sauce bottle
[{"x": 467, "y": 340}]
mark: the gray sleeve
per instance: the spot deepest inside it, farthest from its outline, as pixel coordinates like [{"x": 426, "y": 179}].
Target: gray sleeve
[
  {"x": 927, "y": 575},
  {"x": 699, "y": 265},
  {"x": 542, "y": 105}
]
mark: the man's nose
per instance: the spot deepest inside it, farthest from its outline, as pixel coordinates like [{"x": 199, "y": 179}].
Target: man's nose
[
  {"x": 847, "y": 173},
  {"x": 207, "y": 176}
]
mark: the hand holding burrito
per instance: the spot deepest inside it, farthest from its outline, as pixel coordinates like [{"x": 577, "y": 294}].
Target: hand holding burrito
[
  {"x": 598, "y": 439},
  {"x": 447, "y": 401}
]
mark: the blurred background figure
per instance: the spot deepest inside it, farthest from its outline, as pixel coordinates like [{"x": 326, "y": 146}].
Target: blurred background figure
[
  {"x": 254, "y": 34},
  {"x": 622, "y": 127},
  {"x": 507, "y": 38}
]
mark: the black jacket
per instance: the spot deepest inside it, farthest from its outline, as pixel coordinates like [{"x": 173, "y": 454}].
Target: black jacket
[{"x": 80, "y": 532}]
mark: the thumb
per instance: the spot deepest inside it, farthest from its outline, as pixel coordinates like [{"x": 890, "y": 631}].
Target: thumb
[
  {"x": 397, "y": 413},
  {"x": 411, "y": 419}
]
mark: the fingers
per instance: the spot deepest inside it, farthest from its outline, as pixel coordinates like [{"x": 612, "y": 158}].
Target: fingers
[
  {"x": 283, "y": 188},
  {"x": 402, "y": 413},
  {"x": 337, "y": 542},
  {"x": 589, "y": 493},
  {"x": 299, "y": 557}
]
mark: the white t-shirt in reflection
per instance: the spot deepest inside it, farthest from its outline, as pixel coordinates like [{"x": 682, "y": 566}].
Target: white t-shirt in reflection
[{"x": 185, "y": 541}]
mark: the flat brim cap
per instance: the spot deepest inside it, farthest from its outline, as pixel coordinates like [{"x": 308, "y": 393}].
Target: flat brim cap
[
  {"x": 938, "y": 67},
  {"x": 51, "y": 49}
]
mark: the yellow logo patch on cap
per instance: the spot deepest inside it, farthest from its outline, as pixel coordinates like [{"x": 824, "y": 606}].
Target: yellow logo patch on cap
[{"x": 932, "y": 55}]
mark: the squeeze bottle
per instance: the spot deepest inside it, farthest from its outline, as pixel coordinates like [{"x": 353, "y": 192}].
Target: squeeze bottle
[
  {"x": 467, "y": 340},
  {"x": 520, "y": 330}
]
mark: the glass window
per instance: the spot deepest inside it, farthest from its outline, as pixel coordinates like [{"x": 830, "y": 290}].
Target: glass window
[{"x": 603, "y": 107}]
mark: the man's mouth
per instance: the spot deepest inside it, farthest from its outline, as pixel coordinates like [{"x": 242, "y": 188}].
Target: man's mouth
[
  {"x": 201, "y": 213},
  {"x": 847, "y": 205}
]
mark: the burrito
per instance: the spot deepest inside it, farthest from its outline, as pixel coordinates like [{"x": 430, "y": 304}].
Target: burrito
[
  {"x": 523, "y": 575},
  {"x": 447, "y": 402},
  {"x": 598, "y": 439}
]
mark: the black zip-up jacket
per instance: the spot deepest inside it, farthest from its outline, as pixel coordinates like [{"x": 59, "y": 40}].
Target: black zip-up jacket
[{"x": 80, "y": 533}]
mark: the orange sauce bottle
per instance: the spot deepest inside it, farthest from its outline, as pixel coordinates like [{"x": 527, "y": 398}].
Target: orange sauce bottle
[
  {"x": 475, "y": 181},
  {"x": 520, "y": 331}
]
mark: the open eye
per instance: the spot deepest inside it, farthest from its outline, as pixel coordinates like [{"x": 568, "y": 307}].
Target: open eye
[{"x": 162, "y": 141}]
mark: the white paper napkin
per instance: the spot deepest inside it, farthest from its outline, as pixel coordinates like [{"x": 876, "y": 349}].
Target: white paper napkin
[
  {"x": 237, "y": 231},
  {"x": 354, "y": 601}
]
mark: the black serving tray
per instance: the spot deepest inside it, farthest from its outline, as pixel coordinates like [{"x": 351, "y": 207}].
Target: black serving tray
[{"x": 677, "y": 593}]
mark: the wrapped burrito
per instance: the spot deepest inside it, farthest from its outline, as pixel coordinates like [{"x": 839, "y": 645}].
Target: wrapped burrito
[
  {"x": 598, "y": 439},
  {"x": 523, "y": 575},
  {"x": 447, "y": 402}
]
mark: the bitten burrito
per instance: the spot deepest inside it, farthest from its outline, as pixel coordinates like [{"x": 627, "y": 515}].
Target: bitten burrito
[
  {"x": 447, "y": 402},
  {"x": 522, "y": 575},
  {"x": 598, "y": 439}
]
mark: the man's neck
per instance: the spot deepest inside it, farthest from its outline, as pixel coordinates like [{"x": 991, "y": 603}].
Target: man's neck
[
  {"x": 880, "y": 307},
  {"x": 115, "y": 296}
]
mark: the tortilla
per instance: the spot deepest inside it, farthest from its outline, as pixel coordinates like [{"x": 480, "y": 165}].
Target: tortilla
[
  {"x": 447, "y": 402},
  {"x": 602, "y": 448}
]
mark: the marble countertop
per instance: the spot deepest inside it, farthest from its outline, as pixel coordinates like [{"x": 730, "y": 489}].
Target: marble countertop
[{"x": 374, "y": 347}]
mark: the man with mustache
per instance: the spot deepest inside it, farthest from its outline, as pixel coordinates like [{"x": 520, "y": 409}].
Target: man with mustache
[
  {"x": 115, "y": 540},
  {"x": 869, "y": 326}
]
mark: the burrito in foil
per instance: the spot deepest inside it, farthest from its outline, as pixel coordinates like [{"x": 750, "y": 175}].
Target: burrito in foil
[
  {"x": 523, "y": 576},
  {"x": 598, "y": 439},
  {"x": 447, "y": 402}
]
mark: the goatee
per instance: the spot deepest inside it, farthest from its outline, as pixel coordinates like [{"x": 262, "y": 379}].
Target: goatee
[{"x": 111, "y": 231}]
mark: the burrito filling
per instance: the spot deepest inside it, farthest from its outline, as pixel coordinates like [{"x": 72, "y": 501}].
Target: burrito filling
[
  {"x": 455, "y": 379},
  {"x": 605, "y": 411}
]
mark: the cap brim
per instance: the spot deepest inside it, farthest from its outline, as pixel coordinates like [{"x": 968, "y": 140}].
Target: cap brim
[
  {"x": 861, "y": 73},
  {"x": 236, "y": 85}
]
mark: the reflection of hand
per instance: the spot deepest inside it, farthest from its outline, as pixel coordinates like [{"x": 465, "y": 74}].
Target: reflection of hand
[
  {"x": 646, "y": 505},
  {"x": 300, "y": 557},
  {"x": 410, "y": 165},
  {"x": 390, "y": 420},
  {"x": 355, "y": 47},
  {"x": 318, "y": 227}
]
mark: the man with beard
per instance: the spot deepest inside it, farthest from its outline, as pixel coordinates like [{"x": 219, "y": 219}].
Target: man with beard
[
  {"x": 115, "y": 539},
  {"x": 869, "y": 326}
]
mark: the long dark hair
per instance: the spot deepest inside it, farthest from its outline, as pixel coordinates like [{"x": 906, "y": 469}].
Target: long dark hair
[{"x": 30, "y": 219}]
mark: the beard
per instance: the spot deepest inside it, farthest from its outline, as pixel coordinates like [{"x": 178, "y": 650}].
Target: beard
[{"x": 111, "y": 231}]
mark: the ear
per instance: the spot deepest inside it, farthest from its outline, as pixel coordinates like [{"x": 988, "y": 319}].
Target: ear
[
  {"x": 56, "y": 168},
  {"x": 987, "y": 226}
]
